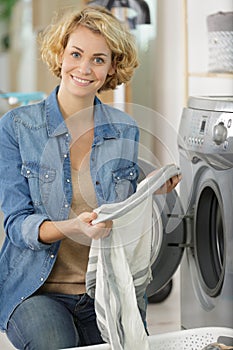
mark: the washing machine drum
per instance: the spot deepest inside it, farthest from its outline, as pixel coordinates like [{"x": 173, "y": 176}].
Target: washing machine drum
[
  {"x": 170, "y": 237},
  {"x": 209, "y": 240}
]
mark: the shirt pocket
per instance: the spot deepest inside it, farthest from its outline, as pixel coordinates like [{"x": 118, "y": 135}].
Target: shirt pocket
[
  {"x": 125, "y": 180},
  {"x": 40, "y": 180}
]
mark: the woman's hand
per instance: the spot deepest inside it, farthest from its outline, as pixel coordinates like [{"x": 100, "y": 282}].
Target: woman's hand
[
  {"x": 96, "y": 231},
  {"x": 76, "y": 229},
  {"x": 169, "y": 185}
]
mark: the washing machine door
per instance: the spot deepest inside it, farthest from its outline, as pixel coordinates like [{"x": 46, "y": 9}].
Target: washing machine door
[
  {"x": 170, "y": 237},
  {"x": 209, "y": 241}
]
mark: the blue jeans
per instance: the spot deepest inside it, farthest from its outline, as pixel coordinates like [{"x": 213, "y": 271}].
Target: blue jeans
[{"x": 51, "y": 321}]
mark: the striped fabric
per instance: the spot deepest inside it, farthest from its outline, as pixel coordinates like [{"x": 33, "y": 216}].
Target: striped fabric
[{"x": 119, "y": 267}]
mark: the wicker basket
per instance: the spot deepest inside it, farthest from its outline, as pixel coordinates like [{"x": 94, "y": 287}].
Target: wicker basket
[
  {"x": 220, "y": 42},
  {"x": 191, "y": 339}
]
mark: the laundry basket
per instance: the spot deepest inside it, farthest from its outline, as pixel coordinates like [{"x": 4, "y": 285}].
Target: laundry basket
[{"x": 191, "y": 339}]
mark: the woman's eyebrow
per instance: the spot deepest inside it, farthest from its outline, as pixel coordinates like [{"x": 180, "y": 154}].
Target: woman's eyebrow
[
  {"x": 77, "y": 48},
  {"x": 95, "y": 54}
]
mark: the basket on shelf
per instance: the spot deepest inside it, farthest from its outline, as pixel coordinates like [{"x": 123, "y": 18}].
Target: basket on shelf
[{"x": 220, "y": 42}]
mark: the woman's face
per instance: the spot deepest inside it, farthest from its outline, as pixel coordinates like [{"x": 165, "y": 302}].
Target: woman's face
[{"x": 86, "y": 62}]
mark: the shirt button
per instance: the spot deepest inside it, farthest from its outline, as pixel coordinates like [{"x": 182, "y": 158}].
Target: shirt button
[
  {"x": 97, "y": 183},
  {"x": 67, "y": 180},
  {"x": 42, "y": 279},
  {"x": 131, "y": 174},
  {"x": 65, "y": 156},
  {"x": 51, "y": 256},
  {"x": 66, "y": 205},
  {"x": 28, "y": 171},
  {"x": 22, "y": 298},
  {"x": 46, "y": 176}
]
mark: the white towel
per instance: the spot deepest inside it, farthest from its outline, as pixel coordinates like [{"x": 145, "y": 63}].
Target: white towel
[{"x": 119, "y": 267}]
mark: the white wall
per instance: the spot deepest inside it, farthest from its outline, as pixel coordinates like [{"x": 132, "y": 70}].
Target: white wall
[{"x": 159, "y": 82}]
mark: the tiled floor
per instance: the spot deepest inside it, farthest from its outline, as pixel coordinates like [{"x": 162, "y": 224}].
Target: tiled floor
[
  {"x": 162, "y": 317},
  {"x": 165, "y": 316}
]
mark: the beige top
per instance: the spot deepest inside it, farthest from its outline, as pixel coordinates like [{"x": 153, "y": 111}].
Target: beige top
[{"x": 68, "y": 274}]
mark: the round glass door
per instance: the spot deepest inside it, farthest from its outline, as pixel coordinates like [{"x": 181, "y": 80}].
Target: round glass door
[{"x": 209, "y": 239}]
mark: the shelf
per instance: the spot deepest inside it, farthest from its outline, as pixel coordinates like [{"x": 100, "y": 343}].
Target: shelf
[
  {"x": 210, "y": 75},
  {"x": 197, "y": 78}
]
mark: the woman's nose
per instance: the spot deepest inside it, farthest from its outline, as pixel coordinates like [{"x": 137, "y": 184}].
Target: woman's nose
[{"x": 84, "y": 67}]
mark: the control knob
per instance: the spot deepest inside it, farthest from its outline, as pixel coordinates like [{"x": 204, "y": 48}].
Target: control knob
[{"x": 219, "y": 133}]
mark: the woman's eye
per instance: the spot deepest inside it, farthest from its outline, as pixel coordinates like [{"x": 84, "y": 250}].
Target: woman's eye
[
  {"x": 75, "y": 54},
  {"x": 98, "y": 60}
]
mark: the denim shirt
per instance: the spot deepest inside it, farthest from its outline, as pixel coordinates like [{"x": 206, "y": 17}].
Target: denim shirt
[{"x": 35, "y": 185}]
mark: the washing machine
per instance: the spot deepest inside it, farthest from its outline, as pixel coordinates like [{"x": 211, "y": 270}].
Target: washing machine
[
  {"x": 205, "y": 145},
  {"x": 197, "y": 224}
]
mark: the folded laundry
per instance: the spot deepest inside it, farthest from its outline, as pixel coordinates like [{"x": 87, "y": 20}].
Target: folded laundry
[{"x": 119, "y": 267}]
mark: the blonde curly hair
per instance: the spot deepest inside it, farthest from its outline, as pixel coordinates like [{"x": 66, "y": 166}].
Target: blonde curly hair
[{"x": 99, "y": 20}]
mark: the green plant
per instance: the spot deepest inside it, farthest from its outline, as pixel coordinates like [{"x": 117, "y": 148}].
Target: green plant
[{"x": 6, "y": 8}]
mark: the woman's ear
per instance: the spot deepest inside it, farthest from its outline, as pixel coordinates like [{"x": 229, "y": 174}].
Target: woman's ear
[
  {"x": 111, "y": 70},
  {"x": 60, "y": 58}
]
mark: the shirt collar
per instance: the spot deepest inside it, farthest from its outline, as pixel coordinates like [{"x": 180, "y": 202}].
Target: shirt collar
[
  {"x": 104, "y": 125},
  {"x": 55, "y": 121}
]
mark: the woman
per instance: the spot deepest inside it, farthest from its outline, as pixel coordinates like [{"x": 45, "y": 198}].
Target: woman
[{"x": 59, "y": 159}]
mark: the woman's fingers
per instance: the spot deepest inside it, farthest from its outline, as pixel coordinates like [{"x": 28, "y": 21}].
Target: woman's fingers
[{"x": 169, "y": 185}]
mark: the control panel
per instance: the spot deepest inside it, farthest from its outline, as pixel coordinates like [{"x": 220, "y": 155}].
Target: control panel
[{"x": 207, "y": 135}]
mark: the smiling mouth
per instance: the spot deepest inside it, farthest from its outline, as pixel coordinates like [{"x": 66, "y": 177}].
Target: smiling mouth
[{"x": 82, "y": 81}]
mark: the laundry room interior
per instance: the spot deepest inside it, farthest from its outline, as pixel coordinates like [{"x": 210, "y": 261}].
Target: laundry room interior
[{"x": 181, "y": 96}]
